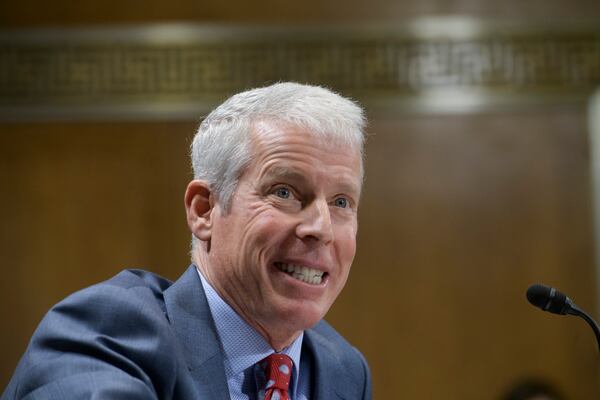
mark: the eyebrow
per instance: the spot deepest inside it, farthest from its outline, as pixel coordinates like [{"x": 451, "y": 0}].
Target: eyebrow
[{"x": 285, "y": 173}]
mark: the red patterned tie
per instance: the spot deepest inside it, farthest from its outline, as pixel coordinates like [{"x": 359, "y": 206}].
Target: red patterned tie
[{"x": 278, "y": 372}]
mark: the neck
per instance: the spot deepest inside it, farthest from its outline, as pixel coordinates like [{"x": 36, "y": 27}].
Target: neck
[
  {"x": 278, "y": 338},
  {"x": 278, "y": 342}
]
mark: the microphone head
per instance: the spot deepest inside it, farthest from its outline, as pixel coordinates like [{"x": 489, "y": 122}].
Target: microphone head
[{"x": 548, "y": 299}]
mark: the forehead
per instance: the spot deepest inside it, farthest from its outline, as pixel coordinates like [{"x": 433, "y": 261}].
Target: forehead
[
  {"x": 270, "y": 128},
  {"x": 269, "y": 133},
  {"x": 278, "y": 148}
]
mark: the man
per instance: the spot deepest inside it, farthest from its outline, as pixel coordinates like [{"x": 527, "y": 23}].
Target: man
[{"x": 273, "y": 214}]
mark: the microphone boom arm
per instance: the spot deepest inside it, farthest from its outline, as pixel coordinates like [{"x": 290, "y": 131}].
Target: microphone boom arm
[
  {"x": 549, "y": 299},
  {"x": 574, "y": 310}
]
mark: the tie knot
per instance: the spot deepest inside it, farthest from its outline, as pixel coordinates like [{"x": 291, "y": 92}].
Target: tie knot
[{"x": 278, "y": 371}]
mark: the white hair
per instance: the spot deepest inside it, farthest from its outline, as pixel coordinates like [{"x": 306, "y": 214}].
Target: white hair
[{"x": 221, "y": 148}]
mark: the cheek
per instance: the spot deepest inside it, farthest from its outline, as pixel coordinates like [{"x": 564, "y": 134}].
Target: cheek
[
  {"x": 346, "y": 243},
  {"x": 261, "y": 232}
]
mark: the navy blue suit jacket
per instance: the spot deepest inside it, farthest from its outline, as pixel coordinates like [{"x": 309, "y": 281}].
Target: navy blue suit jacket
[{"x": 139, "y": 336}]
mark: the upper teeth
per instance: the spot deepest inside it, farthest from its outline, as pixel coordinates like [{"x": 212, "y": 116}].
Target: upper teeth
[{"x": 301, "y": 272}]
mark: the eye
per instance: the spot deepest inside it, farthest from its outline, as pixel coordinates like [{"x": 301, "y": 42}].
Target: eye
[
  {"x": 341, "y": 202},
  {"x": 283, "y": 192}
]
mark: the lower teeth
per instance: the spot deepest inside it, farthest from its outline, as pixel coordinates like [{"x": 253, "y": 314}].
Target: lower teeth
[{"x": 301, "y": 277}]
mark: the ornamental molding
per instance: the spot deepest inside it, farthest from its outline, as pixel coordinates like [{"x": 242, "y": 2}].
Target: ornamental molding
[{"x": 180, "y": 71}]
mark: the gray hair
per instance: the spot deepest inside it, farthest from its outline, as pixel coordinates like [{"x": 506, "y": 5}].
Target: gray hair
[{"x": 220, "y": 150}]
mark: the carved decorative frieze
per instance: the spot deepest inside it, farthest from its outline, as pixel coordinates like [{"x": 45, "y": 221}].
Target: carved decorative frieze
[{"x": 159, "y": 71}]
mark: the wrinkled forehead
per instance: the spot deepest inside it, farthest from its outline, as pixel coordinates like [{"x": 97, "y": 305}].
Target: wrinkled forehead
[
  {"x": 268, "y": 134},
  {"x": 266, "y": 131},
  {"x": 313, "y": 129}
]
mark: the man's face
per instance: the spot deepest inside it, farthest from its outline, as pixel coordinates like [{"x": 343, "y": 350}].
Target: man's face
[{"x": 282, "y": 253}]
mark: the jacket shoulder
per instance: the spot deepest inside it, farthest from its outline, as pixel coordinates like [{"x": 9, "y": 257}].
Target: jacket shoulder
[
  {"x": 138, "y": 282},
  {"x": 327, "y": 336},
  {"x": 138, "y": 277},
  {"x": 132, "y": 293},
  {"x": 326, "y": 340},
  {"x": 114, "y": 331}
]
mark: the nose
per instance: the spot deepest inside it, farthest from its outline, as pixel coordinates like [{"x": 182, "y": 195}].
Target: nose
[{"x": 316, "y": 222}]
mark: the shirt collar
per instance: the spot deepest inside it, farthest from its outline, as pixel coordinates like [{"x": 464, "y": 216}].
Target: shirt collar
[{"x": 242, "y": 344}]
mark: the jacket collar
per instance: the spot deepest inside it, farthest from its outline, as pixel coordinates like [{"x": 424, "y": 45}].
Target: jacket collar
[
  {"x": 192, "y": 322},
  {"x": 327, "y": 381},
  {"x": 189, "y": 313}
]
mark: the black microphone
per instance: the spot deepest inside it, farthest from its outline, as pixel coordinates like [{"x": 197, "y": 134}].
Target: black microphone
[{"x": 551, "y": 300}]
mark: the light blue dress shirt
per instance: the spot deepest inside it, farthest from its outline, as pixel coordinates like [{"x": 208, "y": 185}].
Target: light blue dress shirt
[{"x": 244, "y": 347}]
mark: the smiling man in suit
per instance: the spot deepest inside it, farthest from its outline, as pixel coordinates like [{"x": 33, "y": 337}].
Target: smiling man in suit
[{"x": 273, "y": 213}]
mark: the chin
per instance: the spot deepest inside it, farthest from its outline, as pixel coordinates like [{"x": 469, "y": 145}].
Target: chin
[{"x": 302, "y": 317}]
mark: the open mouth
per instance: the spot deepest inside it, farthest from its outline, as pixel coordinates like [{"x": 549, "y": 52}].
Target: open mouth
[{"x": 302, "y": 273}]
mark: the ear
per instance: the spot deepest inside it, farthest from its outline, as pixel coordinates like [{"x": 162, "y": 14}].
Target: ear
[{"x": 199, "y": 205}]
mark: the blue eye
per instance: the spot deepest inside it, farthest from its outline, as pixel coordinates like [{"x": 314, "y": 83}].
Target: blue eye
[
  {"x": 283, "y": 192},
  {"x": 341, "y": 202}
]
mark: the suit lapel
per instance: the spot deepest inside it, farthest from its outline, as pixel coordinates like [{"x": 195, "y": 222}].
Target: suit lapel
[
  {"x": 329, "y": 377},
  {"x": 190, "y": 316},
  {"x": 188, "y": 311}
]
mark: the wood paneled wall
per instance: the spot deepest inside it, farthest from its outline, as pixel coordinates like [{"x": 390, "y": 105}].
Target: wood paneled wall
[
  {"x": 79, "y": 202},
  {"x": 460, "y": 214}
]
